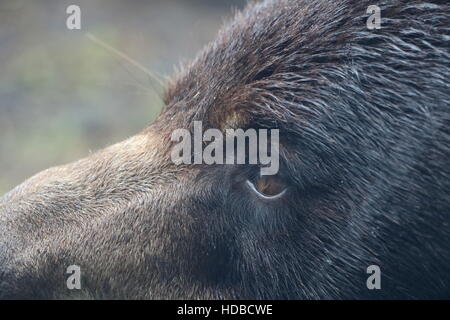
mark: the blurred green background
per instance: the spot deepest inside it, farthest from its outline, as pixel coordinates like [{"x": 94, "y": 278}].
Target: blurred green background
[{"x": 63, "y": 96}]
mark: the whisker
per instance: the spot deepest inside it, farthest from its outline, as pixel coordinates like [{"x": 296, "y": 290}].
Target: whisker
[{"x": 153, "y": 76}]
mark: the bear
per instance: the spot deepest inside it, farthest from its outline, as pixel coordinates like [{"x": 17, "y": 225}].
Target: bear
[{"x": 363, "y": 117}]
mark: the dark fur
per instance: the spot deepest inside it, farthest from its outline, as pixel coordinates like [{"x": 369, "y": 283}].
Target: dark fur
[{"x": 364, "y": 124}]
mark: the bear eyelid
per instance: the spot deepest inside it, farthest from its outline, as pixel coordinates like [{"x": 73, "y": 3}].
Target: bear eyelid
[{"x": 262, "y": 195}]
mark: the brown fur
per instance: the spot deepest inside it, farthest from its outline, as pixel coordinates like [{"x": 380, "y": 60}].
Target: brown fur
[{"x": 363, "y": 118}]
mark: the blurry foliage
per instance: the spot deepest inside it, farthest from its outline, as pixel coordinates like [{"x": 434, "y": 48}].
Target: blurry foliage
[{"x": 63, "y": 96}]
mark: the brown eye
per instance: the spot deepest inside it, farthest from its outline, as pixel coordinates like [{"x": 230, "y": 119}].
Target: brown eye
[{"x": 267, "y": 187}]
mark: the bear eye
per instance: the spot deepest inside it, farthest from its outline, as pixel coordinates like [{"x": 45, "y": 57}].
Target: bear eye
[{"x": 267, "y": 187}]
